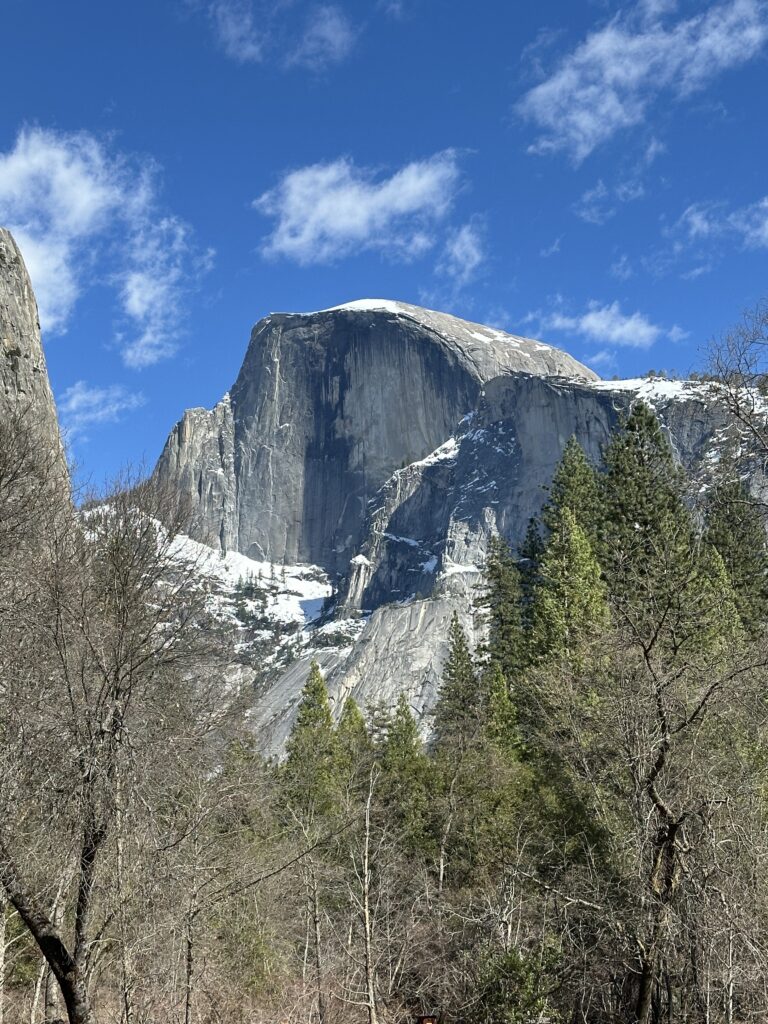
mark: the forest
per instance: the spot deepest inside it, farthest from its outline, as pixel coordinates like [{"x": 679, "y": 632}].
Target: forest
[{"x": 579, "y": 834}]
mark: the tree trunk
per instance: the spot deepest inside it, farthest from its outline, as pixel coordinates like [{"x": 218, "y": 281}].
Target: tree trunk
[
  {"x": 315, "y": 895},
  {"x": 48, "y": 938},
  {"x": 189, "y": 966},
  {"x": 370, "y": 979},
  {"x": 3, "y": 905}
]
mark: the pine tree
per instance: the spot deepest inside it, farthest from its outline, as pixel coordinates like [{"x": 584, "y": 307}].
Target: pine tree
[
  {"x": 353, "y": 743},
  {"x": 501, "y": 722},
  {"x": 647, "y": 536},
  {"x": 458, "y": 708},
  {"x": 310, "y": 773},
  {"x": 574, "y": 486},
  {"x": 405, "y": 782},
  {"x": 530, "y": 553},
  {"x": 502, "y": 601},
  {"x": 735, "y": 528},
  {"x": 570, "y": 606}
]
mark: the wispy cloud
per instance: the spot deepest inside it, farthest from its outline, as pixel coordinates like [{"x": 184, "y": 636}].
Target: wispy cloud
[
  {"x": 81, "y": 212},
  {"x": 708, "y": 221},
  {"x": 598, "y": 204},
  {"x": 82, "y": 406},
  {"x": 606, "y": 324},
  {"x": 328, "y": 39},
  {"x": 610, "y": 80},
  {"x": 329, "y": 210},
  {"x": 551, "y": 250},
  {"x": 464, "y": 254},
  {"x": 235, "y": 30},
  {"x": 292, "y": 34}
]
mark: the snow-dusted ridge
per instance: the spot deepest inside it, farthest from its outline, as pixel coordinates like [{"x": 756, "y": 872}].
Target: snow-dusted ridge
[
  {"x": 654, "y": 388},
  {"x": 296, "y": 593}
]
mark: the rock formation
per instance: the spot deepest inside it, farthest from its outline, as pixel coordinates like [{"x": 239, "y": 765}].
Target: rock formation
[
  {"x": 325, "y": 408},
  {"x": 386, "y": 443},
  {"x": 24, "y": 386}
]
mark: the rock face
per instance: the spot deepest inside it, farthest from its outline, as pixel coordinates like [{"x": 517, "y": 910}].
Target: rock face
[
  {"x": 325, "y": 408},
  {"x": 386, "y": 444},
  {"x": 429, "y": 526},
  {"x": 24, "y": 386}
]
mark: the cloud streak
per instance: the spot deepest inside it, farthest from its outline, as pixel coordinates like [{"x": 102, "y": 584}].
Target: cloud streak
[
  {"x": 328, "y": 38},
  {"x": 326, "y": 211},
  {"x": 608, "y": 83},
  {"x": 607, "y": 325},
  {"x": 464, "y": 254},
  {"x": 82, "y": 213},
  {"x": 82, "y": 406}
]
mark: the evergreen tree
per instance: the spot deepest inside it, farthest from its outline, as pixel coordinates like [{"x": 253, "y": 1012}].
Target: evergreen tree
[
  {"x": 405, "y": 782},
  {"x": 647, "y": 537},
  {"x": 310, "y": 773},
  {"x": 735, "y": 528},
  {"x": 503, "y": 603},
  {"x": 574, "y": 486},
  {"x": 501, "y": 715},
  {"x": 353, "y": 743},
  {"x": 458, "y": 709},
  {"x": 530, "y": 553},
  {"x": 570, "y": 606}
]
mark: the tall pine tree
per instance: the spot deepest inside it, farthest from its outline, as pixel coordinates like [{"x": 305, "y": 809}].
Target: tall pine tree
[
  {"x": 459, "y": 703},
  {"x": 502, "y": 601},
  {"x": 735, "y": 527},
  {"x": 310, "y": 773},
  {"x": 647, "y": 536},
  {"x": 574, "y": 486},
  {"x": 570, "y": 606}
]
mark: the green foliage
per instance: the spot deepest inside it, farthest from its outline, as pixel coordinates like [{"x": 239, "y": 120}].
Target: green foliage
[
  {"x": 531, "y": 552},
  {"x": 513, "y": 988},
  {"x": 405, "y": 782},
  {"x": 644, "y": 517},
  {"x": 501, "y": 714},
  {"x": 735, "y": 527},
  {"x": 459, "y": 702},
  {"x": 574, "y": 486},
  {"x": 310, "y": 775},
  {"x": 354, "y": 746},
  {"x": 570, "y": 606},
  {"x": 502, "y": 603}
]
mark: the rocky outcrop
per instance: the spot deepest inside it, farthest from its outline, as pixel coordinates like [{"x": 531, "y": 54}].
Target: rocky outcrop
[
  {"x": 386, "y": 444},
  {"x": 24, "y": 387},
  {"x": 327, "y": 406},
  {"x": 436, "y": 516},
  {"x": 428, "y": 529}
]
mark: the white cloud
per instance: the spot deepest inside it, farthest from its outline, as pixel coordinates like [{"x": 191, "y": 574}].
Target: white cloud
[
  {"x": 82, "y": 213},
  {"x": 608, "y": 325},
  {"x": 82, "y": 406},
  {"x": 328, "y": 39},
  {"x": 551, "y": 250},
  {"x": 235, "y": 30},
  {"x": 604, "y": 360},
  {"x": 56, "y": 192},
  {"x": 702, "y": 222},
  {"x": 296, "y": 34},
  {"x": 609, "y": 81},
  {"x": 599, "y": 203},
  {"x": 326, "y": 211},
  {"x": 464, "y": 254},
  {"x": 622, "y": 268}
]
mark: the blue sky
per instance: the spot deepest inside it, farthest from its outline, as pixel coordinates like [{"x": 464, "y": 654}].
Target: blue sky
[{"x": 588, "y": 172}]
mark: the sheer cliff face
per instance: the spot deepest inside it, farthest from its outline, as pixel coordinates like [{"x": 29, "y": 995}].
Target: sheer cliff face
[
  {"x": 24, "y": 386},
  {"x": 326, "y": 407}
]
